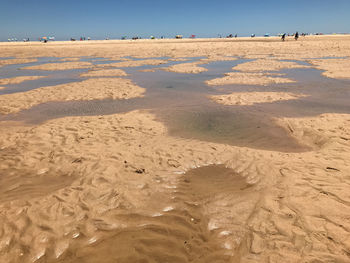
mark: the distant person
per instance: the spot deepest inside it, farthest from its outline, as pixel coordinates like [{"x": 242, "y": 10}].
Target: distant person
[
  {"x": 236, "y": 36},
  {"x": 296, "y": 36},
  {"x": 283, "y": 37}
]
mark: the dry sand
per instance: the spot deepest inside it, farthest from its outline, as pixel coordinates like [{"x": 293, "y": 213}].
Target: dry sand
[
  {"x": 119, "y": 188},
  {"x": 105, "y": 73},
  {"x": 190, "y": 68},
  {"x": 308, "y": 47},
  {"x": 243, "y": 78},
  {"x": 266, "y": 65},
  {"x": 60, "y": 66},
  {"x": 250, "y": 98},
  {"x": 20, "y": 79},
  {"x": 90, "y": 89},
  {"x": 334, "y": 68}
]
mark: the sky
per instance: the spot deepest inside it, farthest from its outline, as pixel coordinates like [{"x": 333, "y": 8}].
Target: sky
[{"x": 106, "y": 18}]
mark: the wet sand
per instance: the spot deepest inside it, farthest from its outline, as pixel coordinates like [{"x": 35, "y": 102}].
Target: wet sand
[{"x": 172, "y": 176}]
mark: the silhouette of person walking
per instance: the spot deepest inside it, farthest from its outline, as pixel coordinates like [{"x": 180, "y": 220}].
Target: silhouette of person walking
[
  {"x": 296, "y": 36},
  {"x": 283, "y": 37}
]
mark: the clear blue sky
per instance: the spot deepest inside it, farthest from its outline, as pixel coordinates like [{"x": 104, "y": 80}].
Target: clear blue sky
[{"x": 102, "y": 18}]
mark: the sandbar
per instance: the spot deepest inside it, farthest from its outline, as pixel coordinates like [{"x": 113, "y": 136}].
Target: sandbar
[
  {"x": 244, "y": 78},
  {"x": 104, "y": 73},
  {"x": 135, "y": 63},
  {"x": 60, "y": 66},
  {"x": 333, "y": 68},
  {"x": 190, "y": 68},
  {"x": 17, "y": 80},
  {"x": 90, "y": 89},
  {"x": 5, "y": 62},
  {"x": 251, "y": 98},
  {"x": 266, "y": 65}
]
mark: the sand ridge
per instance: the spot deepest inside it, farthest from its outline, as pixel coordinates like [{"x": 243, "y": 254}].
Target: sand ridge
[
  {"x": 244, "y": 78},
  {"x": 135, "y": 63},
  {"x": 213, "y": 58},
  {"x": 90, "y": 89},
  {"x": 17, "y": 80},
  {"x": 266, "y": 65},
  {"x": 104, "y": 73},
  {"x": 60, "y": 66},
  {"x": 4, "y": 62},
  {"x": 190, "y": 68},
  {"x": 69, "y": 59},
  {"x": 251, "y": 98}
]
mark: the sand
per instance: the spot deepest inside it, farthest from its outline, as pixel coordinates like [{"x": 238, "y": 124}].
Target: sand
[
  {"x": 189, "y": 68},
  {"x": 17, "y": 80},
  {"x": 266, "y": 65},
  {"x": 212, "y": 58},
  {"x": 60, "y": 66},
  {"x": 251, "y": 98},
  {"x": 320, "y": 131},
  {"x": 90, "y": 89},
  {"x": 243, "y": 78},
  {"x": 333, "y": 68},
  {"x": 308, "y": 47},
  {"x": 4, "y": 62},
  {"x": 134, "y": 63},
  {"x": 118, "y": 176},
  {"x": 104, "y": 73},
  {"x": 119, "y": 188},
  {"x": 69, "y": 59}
]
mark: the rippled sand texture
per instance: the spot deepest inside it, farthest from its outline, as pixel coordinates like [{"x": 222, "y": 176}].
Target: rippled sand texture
[
  {"x": 122, "y": 173},
  {"x": 250, "y": 98},
  {"x": 90, "y": 89},
  {"x": 101, "y": 181}
]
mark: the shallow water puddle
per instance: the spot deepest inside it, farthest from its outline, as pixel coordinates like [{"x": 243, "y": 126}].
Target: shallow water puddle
[{"x": 181, "y": 102}]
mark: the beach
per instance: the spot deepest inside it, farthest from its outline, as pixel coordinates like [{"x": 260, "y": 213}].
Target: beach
[{"x": 175, "y": 150}]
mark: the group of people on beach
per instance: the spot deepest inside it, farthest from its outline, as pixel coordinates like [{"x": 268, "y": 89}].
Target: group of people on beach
[{"x": 296, "y": 36}]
